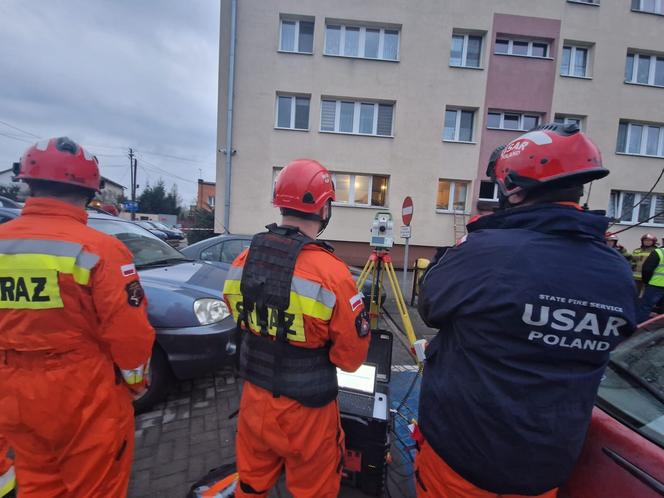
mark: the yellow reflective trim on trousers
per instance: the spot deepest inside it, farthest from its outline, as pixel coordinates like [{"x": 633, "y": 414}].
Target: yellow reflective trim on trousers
[
  {"x": 133, "y": 376},
  {"x": 7, "y": 481},
  {"x": 61, "y": 264}
]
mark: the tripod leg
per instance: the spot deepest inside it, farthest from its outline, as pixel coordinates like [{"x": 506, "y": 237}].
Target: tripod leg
[
  {"x": 376, "y": 287},
  {"x": 401, "y": 304},
  {"x": 368, "y": 267}
]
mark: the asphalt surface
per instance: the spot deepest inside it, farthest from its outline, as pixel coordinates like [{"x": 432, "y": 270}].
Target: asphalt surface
[{"x": 192, "y": 432}]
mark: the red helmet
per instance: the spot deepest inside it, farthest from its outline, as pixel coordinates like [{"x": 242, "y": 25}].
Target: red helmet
[
  {"x": 554, "y": 155},
  {"x": 649, "y": 236},
  {"x": 59, "y": 160},
  {"x": 303, "y": 185}
]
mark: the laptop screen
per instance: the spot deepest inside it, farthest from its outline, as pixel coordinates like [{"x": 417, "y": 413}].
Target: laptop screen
[{"x": 363, "y": 379}]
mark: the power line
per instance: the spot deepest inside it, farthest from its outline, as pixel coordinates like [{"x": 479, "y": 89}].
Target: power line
[
  {"x": 16, "y": 138},
  {"x": 167, "y": 173},
  {"x": 643, "y": 198},
  {"x": 178, "y": 158},
  {"x": 19, "y": 129}
]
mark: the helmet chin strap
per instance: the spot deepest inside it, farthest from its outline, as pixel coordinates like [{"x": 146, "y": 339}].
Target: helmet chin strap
[{"x": 325, "y": 221}]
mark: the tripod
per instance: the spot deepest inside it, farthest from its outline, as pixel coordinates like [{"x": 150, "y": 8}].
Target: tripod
[{"x": 377, "y": 265}]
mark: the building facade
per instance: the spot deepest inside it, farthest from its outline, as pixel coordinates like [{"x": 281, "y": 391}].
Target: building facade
[
  {"x": 403, "y": 98},
  {"x": 206, "y": 196}
]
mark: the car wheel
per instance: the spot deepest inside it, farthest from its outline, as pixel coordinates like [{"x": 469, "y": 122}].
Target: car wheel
[{"x": 160, "y": 379}]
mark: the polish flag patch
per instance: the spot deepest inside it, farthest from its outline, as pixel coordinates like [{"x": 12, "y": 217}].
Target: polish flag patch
[
  {"x": 128, "y": 270},
  {"x": 356, "y": 301}
]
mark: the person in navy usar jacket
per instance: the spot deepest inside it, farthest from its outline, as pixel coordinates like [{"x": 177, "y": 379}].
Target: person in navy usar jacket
[{"x": 529, "y": 307}]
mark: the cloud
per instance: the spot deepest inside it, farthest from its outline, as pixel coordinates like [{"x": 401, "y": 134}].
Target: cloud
[{"x": 114, "y": 74}]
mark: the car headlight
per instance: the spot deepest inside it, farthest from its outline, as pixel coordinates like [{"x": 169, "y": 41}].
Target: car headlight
[{"x": 210, "y": 311}]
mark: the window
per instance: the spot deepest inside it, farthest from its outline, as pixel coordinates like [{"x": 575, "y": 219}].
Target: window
[
  {"x": 452, "y": 195},
  {"x": 589, "y": 2},
  {"x": 565, "y": 119},
  {"x": 210, "y": 200},
  {"x": 466, "y": 50},
  {"x": 225, "y": 251},
  {"x": 292, "y": 112},
  {"x": 644, "y": 69},
  {"x": 635, "y": 207},
  {"x": 358, "y": 118},
  {"x": 574, "y": 61},
  {"x": 640, "y": 139},
  {"x": 522, "y": 48},
  {"x": 296, "y": 36},
  {"x": 488, "y": 191},
  {"x": 648, "y": 6},
  {"x": 362, "y": 41},
  {"x": 360, "y": 190},
  {"x": 512, "y": 121},
  {"x": 458, "y": 125}
]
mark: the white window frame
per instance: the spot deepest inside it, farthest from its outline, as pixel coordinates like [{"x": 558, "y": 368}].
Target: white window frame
[
  {"x": 464, "y": 50},
  {"x": 521, "y": 116},
  {"x": 635, "y": 212},
  {"x": 457, "y": 126},
  {"x": 356, "y": 118},
  {"x": 351, "y": 190},
  {"x": 572, "y": 57},
  {"x": 211, "y": 198},
  {"x": 292, "y": 112},
  {"x": 659, "y": 8},
  {"x": 296, "y": 46},
  {"x": 566, "y": 119},
  {"x": 362, "y": 41},
  {"x": 585, "y": 2},
  {"x": 495, "y": 192},
  {"x": 450, "y": 202},
  {"x": 651, "y": 69},
  {"x": 644, "y": 139},
  {"x": 510, "y": 47}
]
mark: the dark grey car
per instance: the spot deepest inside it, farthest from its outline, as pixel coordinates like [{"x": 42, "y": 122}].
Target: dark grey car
[{"x": 220, "y": 250}]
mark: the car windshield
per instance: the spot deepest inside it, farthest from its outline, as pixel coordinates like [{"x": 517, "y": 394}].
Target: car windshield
[
  {"x": 632, "y": 389},
  {"x": 160, "y": 225},
  {"x": 147, "y": 249}
]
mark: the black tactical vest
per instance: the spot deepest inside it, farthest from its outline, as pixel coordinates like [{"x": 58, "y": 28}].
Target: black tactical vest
[{"x": 303, "y": 374}]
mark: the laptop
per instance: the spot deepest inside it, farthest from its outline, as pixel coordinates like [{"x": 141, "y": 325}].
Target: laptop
[{"x": 357, "y": 393}]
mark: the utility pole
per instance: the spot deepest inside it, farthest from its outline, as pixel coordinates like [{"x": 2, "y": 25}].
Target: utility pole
[{"x": 133, "y": 167}]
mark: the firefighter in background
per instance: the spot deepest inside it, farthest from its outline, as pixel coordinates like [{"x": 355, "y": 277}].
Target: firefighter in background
[
  {"x": 74, "y": 334},
  {"x": 301, "y": 317},
  {"x": 639, "y": 255},
  {"x": 7, "y": 473},
  {"x": 528, "y": 309},
  {"x": 612, "y": 241},
  {"x": 652, "y": 276}
]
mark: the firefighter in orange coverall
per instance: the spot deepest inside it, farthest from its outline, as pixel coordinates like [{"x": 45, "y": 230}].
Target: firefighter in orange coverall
[
  {"x": 302, "y": 317},
  {"x": 7, "y": 475},
  {"x": 74, "y": 335}
]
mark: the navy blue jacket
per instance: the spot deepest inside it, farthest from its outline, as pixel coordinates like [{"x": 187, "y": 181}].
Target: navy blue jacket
[{"x": 528, "y": 308}]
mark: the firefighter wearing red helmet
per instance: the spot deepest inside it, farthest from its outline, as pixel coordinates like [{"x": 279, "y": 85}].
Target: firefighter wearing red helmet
[
  {"x": 301, "y": 317},
  {"x": 639, "y": 255},
  {"x": 74, "y": 334},
  {"x": 527, "y": 315}
]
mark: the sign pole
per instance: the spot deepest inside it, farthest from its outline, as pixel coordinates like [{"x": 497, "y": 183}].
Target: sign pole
[{"x": 407, "y": 217}]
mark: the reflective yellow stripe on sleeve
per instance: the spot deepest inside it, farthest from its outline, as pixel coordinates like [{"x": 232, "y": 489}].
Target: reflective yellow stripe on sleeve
[{"x": 7, "y": 481}]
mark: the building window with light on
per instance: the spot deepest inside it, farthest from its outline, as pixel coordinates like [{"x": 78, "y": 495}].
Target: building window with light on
[
  {"x": 452, "y": 196},
  {"x": 360, "y": 189}
]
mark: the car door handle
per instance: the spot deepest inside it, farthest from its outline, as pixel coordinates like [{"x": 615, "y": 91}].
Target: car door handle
[{"x": 640, "y": 474}]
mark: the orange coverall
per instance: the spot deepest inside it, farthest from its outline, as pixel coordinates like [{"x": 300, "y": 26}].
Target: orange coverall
[
  {"x": 72, "y": 312},
  {"x": 7, "y": 477},
  {"x": 273, "y": 432}
]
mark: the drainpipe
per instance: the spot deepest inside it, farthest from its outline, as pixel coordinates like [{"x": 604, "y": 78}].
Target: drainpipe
[{"x": 229, "y": 118}]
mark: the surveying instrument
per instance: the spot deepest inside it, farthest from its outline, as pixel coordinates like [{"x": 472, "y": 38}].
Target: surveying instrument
[{"x": 379, "y": 264}]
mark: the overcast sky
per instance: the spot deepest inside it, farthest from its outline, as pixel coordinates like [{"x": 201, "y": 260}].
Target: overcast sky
[{"x": 112, "y": 74}]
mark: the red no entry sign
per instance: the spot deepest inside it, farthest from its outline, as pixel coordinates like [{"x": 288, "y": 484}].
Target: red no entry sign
[{"x": 407, "y": 210}]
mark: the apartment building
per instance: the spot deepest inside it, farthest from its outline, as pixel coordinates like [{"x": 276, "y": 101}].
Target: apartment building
[{"x": 403, "y": 98}]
